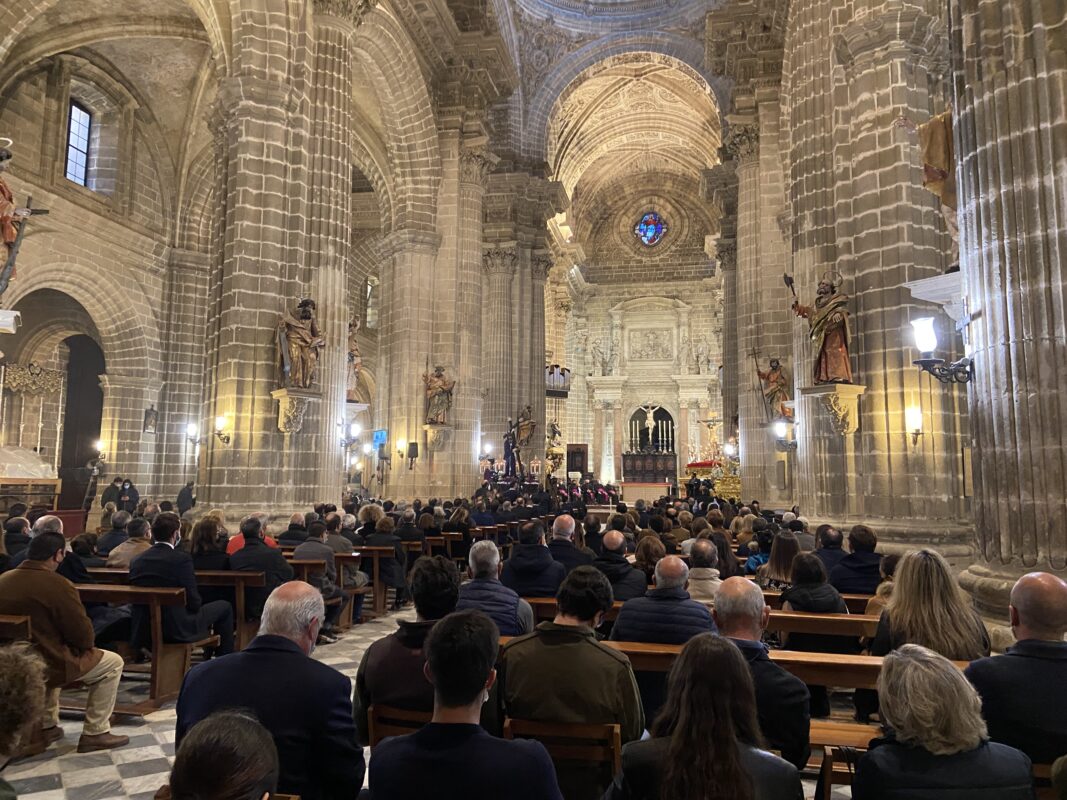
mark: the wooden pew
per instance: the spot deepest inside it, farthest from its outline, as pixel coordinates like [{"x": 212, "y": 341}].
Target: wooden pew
[
  {"x": 170, "y": 661},
  {"x": 14, "y": 628},
  {"x": 375, "y": 554},
  {"x": 855, "y": 603},
  {"x": 237, "y": 580}
]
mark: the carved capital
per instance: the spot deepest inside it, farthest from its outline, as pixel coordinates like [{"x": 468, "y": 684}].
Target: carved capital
[
  {"x": 541, "y": 264},
  {"x": 475, "y": 164},
  {"x": 351, "y": 10},
  {"x": 500, "y": 259},
  {"x": 726, "y": 253}
]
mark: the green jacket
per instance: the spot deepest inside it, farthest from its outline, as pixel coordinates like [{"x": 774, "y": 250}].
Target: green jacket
[{"x": 561, "y": 673}]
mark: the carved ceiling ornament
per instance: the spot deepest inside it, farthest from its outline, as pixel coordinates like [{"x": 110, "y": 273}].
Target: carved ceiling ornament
[
  {"x": 352, "y": 10},
  {"x": 544, "y": 44}
]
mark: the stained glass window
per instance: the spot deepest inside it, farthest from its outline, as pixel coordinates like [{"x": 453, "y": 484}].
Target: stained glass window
[
  {"x": 78, "y": 143},
  {"x": 650, "y": 229}
]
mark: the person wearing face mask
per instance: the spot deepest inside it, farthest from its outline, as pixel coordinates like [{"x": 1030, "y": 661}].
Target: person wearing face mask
[
  {"x": 163, "y": 564},
  {"x": 128, "y": 498},
  {"x": 304, "y": 704}
]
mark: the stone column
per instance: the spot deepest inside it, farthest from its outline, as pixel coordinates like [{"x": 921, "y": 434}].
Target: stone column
[
  {"x": 1009, "y": 81},
  {"x": 500, "y": 262},
  {"x": 182, "y": 390},
  {"x": 681, "y": 436},
  {"x": 596, "y": 458},
  {"x": 258, "y": 130},
  {"x": 541, "y": 263},
  {"x": 892, "y": 233},
  {"x": 618, "y": 429},
  {"x": 727, "y": 258},
  {"x": 405, "y": 344},
  {"x": 329, "y": 238}
]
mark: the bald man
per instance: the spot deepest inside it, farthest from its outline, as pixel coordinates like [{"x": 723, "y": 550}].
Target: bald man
[
  {"x": 665, "y": 614},
  {"x": 1024, "y": 691},
  {"x": 626, "y": 581}
]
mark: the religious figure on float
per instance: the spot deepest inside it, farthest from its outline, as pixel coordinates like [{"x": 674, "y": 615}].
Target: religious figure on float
[
  {"x": 438, "y": 396},
  {"x": 775, "y": 389},
  {"x": 828, "y": 328},
  {"x": 525, "y": 427},
  {"x": 355, "y": 361},
  {"x": 12, "y": 218},
  {"x": 299, "y": 344}
]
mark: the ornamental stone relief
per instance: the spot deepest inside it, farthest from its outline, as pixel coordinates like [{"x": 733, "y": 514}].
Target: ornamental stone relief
[{"x": 651, "y": 345}]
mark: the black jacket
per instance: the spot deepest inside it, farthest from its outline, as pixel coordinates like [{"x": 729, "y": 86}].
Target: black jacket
[
  {"x": 820, "y": 598},
  {"x": 532, "y": 572},
  {"x": 857, "y": 573},
  {"x": 427, "y": 764},
  {"x": 893, "y": 771},
  {"x": 1024, "y": 697},
  {"x": 643, "y": 763},
  {"x": 830, "y": 557},
  {"x": 185, "y": 500},
  {"x": 626, "y": 582},
  {"x": 662, "y": 616},
  {"x": 110, "y": 495},
  {"x": 110, "y": 540},
  {"x": 781, "y": 704},
  {"x": 564, "y": 551},
  {"x": 304, "y": 704},
  {"x": 15, "y": 543},
  {"x": 162, "y": 565},
  {"x": 294, "y": 535},
  {"x": 390, "y": 570},
  {"x": 255, "y": 556}
]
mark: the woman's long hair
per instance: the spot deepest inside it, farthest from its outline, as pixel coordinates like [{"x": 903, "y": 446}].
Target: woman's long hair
[
  {"x": 784, "y": 549},
  {"x": 928, "y": 608},
  {"x": 226, "y": 756},
  {"x": 709, "y": 715},
  {"x": 205, "y": 537},
  {"x": 728, "y": 566}
]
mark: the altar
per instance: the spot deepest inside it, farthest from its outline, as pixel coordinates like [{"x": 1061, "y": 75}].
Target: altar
[{"x": 650, "y": 467}]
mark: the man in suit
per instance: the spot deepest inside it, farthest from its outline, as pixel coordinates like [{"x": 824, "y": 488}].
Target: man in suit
[
  {"x": 1024, "y": 691},
  {"x": 859, "y": 572},
  {"x": 626, "y": 582},
  {"x": 258, "y": 556},
  {"x": 63, "y": 635},
  {"x": 164, "y": 565},
  {"x": 305, "y": 704},
  {"x": 782, "y": 700},
  {"x": 562, "y": 545}
]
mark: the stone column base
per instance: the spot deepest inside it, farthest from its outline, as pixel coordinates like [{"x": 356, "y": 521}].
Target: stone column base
[{"x": 991, "y": 589}]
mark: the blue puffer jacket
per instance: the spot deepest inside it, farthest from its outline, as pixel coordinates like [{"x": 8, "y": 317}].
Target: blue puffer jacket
[
  {"x": 662, "y": 616},
  {"x": 494, "y": 599}
]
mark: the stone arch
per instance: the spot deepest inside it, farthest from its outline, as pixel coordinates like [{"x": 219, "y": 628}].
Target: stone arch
[
  {"x": 129, "y": 338},
  {"x": 689, "y": 52},
  {"x": 386, "y": 53}
]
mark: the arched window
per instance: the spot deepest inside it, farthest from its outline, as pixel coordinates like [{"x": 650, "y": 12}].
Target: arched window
[
  {"x": 650, "y": 229},
  {"x": 79, "y": 131}
]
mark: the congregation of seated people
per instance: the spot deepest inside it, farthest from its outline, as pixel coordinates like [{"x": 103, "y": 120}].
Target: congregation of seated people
[{"x": 480, "y": 681}]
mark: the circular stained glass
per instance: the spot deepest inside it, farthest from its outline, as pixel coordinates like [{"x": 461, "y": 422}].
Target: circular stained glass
[{"x": 650, "y": 229}]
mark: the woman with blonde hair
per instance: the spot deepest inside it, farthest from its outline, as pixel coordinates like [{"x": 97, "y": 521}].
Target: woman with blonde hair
[
  {"x": 927, "y": 607},
  {"x": 368, "y": 517},
  {"x": 745, "y": 533},
  {"x": 105, "y": 518},
  {"x": 937, "y": 746}
]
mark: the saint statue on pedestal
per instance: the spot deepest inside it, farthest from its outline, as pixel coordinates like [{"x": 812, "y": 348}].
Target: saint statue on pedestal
[
  {"x": 525, "y": 427},
  {"x": 299, "y": 343},
  {"x": 355, "y": 361},
  {"x": 775, "y": 390},
  {"x": 438, "y": 396},
  {"x": 829, "y": 330}
]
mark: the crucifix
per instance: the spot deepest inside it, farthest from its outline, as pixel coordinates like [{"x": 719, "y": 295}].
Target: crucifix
[
  {"x": 8, "y": 271},
  {"x": 650, "y": 412}
]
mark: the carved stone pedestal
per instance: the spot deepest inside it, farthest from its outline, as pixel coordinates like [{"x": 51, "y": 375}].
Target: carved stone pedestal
[
  {"x": 841, "y": 401},
  {"x": 438, "y": 437},
  {"x": 293, "y": 405}
]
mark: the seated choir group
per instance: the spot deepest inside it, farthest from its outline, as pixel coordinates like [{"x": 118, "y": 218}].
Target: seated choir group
[{"x": 271, "y": 719}]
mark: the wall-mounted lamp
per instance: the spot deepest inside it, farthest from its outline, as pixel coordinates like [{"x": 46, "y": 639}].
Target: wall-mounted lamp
[
  {"x": 913, "y": 421},
  {"x": 368, "y": 448},
  {"x": 192, "y": 433},
  {"x": 354, "y": 432},
  {"x": 98, "y": 446},
  {"x": 960, "y": 371},
  {"x": 401, "y": 447},
  {"x": 220, "y": 430},
  {"x": 781, "y": 436}
]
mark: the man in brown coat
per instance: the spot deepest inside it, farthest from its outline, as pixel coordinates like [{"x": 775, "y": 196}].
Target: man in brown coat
[{"x": 63, "y": 635}]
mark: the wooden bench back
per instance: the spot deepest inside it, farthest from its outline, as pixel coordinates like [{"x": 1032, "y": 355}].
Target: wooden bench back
[
  {"x": 384, "y": 721},
  {"x": 590, "y": 744},
  {"x": 14, "y": 628}
]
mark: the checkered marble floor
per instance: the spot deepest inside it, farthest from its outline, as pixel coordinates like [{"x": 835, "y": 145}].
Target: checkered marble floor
[{"x": 136, "y": 771}]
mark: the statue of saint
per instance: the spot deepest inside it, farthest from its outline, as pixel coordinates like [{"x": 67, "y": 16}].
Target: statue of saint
[
  {"x": 299, "y": 343},
  {"x": 525, "y": 427},
  {"x": 554, "y": 436},
  {"x": 597, "y": 351},
  {"x": 829, "y": 330},
  {"x": 701, "y": 353},
  {"x": 775, "y": 390},
  {"x": 683, "y": 354},
  {"x": 355, "y": 361},
  {"x": 438, "y": 396}
]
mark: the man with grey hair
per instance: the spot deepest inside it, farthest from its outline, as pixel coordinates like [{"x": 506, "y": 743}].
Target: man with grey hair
[
  {"x": 704, "y": 579},
  {"x": 256, "y": 555},
  {"x": 73, "y": 569},
  {"x": 562, "y": 545},
  {"x": 305, "y": 704},
  {"x": 665, "y": 614},
  {"x": 782, "y": 699},
  {"x": 114, "y": 537},
  {"x": 484, "y": 591}
]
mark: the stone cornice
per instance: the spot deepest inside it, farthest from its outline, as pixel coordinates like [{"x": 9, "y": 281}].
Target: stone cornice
[{"x": 352, "y": 11}]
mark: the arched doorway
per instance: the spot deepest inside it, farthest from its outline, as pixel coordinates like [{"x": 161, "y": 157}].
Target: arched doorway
[
  {"x": 81, "y": 418},
  {"x": 651, "y": 430}
]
